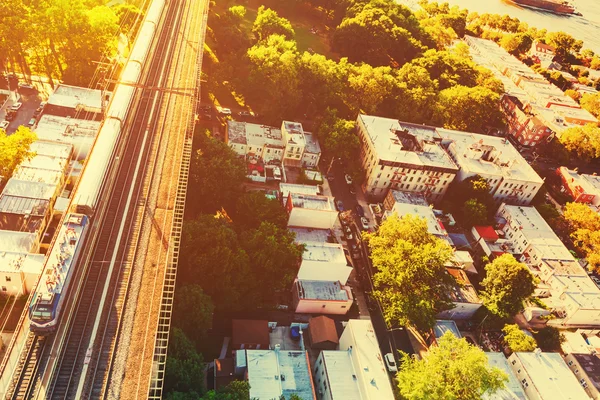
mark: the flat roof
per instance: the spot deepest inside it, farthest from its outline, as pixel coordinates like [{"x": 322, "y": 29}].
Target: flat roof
[
  {"x": 591, "y": 365},
  {"x": 73, "y": 96},
  {"x": 324, "y": 252},
  {"x": 403, "y": 142},
  {"x": 373, "y": 373},
  {"x": 295, "y": 132},
  {"x": 304, "y": 235},
  {"x": 20, "y": 242},
  {"x": 565, "y": 267},
  {"x": 273, "y": 373},
  {"x": 254, "y": 134},
  {"x": 313, "y": 202},
  {"x": 463, "y": 291},
  {"x": 551, "y": 376},
  {"x": 51, "y": 149},
  {"x": 48, "y": 163},
  {"x": 415, "y": 204},
  {"x": 11, "y": 261},
  {"x": 537, "y": 231},
  {"x": 513, "y": 389},
  {"x": 29, "y": 189},
  {"x": 33, "y": 174},
  {"x": 312, "y": 144},
  {"x": 20, "y": 222},
  {"x": 65, "y": 129},
  {"x": 341, "y": 376},
  {"x": 488, "y": 155},
  {"x": 287, "y": 188},
  {"x": 321, "y": 290},
  {"x": 23, "y": 205},
  {"x": 417, "y": 199}
]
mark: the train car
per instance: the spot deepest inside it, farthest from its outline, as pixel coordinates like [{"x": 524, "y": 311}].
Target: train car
[
  {"x": 48, "y": 299},
  {"x": 95, "y": 171}
]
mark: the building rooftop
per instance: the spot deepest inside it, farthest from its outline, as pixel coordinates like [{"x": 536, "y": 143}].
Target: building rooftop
[
  {"x": 48, "y": 163},
  {"x": 66, "y": 129},
  {"x": 488, "y": 155},
  {"x": 325, "y": 252},
  {"x": 341, "y": 375},
  {"x": 322, "y": 329},
  {"x": 537, "y": 231},
  {"x": 463, "y": 291},
  {"x": 312, "y": 144},
  {"x": 304, "y": 235},
  {"x": 551, "y": 376},
  {"x": 295, "y": 132},
  {"x": 32, "y": 174},
  {"x": 322, "y": 290},
  {"x": 487, "y": 233},
  {"x": 570, "y": 267},
  {"x": 591, "y": 364},
  {"x": 415, "y": 204},
  {"x": 287, "y": 188},
  {"x": 405, "y": 143},
  {"x": 312, "y": 202},
  {"x": 513, "y": 390},
  {"x": 254, "y": 134},
  {"x": 74, "y": 97},
  {"x": 273, "y": 373},
  {"x": 23, "y": 205},
  {"x": 374, "y": 376},
  {"x": 51, "y": 149},
  {"x": 29, "y": 189},
  {"x": 19, "y": 242},
  {"x": 11, "y": 261}
]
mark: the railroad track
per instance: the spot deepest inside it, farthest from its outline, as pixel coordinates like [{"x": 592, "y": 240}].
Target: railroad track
[
  {"x": 120, "y": 208},
  {"x": 25, "y": 377}
]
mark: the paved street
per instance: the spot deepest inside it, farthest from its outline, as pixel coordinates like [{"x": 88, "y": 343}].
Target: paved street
[
  {"x": 389, "y": 341},
  {"x": 31, "y": 99}
]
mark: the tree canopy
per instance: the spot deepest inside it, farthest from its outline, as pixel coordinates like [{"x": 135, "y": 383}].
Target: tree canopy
[
  {"x": 506, "y": 285},
  {"x": 517, "y": 340},
  {"x": 549, "y": 339},
  {"x": 410, "y": 279},
  {"x": 193, "y": 311},
  {"x": 236, "y": 390},
  {"x": 14, "y": 149},
  {"x": 268, "y": 23},
  {"x": 453, "y": 369},
  {"x": 468, "y": 108},
  {"x": 185, "y": 367},
  {"x": 591, "y": 102},
  {"x": 585, "y": 231},
  {"x": 583, "y": 141},
  {"x": 253, "y": 208}
]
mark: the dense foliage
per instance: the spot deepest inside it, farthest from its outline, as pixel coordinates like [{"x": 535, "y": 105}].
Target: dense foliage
[
  {"x": 584, "y": 224},
  {"x": 453, "y": 369},
  {"x": 14, "y": 149},
  {"x": 410, "y": 279},
  {"x": 517, "y": 340}
]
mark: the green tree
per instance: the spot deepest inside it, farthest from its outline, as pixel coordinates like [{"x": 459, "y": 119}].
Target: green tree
[
  {"x": 411, "y": 279},
  {"x": 273, "y": 81},
  {"x": 506, "y": 285},
  {"x": 415, "y": 94},
  {"x": 274, "y": 258},
  {"x": 193, "y": 312},
  {"x": 564, "y": 44},
  {"x": 236, "y": 390},
  {"x": 211, "y": 257},
  {"x": 468, "y": 108},
  {"x": 216, "y": 177},
  {"x": 583, "y": 141},
  {"x": 517, "y": 340},
  {"x": 591, "y": 102},
  {"x": 253, "y": 208},
  {"x": 475, "y": 213},
  {"x": 338, "y": 138},
  {"x": 452, "y": 370},
  {"x": 129, "y": 16},
  {"x": 518, "y": 43},
  {"x": 584, "y": 224},
  {"x": 549, "y": 339},
  {"x": 14, "y": 149},
  {"x": 368, "y": 88},
  {"x": 448, "y": 68},
  {"x": 185, "y": 367},
  {"x": 268, "y": 23}
]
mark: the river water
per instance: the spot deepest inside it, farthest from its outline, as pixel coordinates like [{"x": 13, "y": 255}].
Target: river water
[{"x": 586, "y": 27}]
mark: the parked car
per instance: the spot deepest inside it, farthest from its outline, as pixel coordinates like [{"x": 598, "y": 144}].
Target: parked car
[
  {"x": 295, "y": 332},
  {"x": 207, "y": 116},
  {"x": 339, "y": 205},
  {"x": 348, "y": 179},
  {"x": 25, "y": 86},
  {"x": 31, "y": 122},
  {"x": 245, "y": 114},
  {"x": 4, "y": 124},
  {"x": 390, "y": 362},
  {"x": 206, "y": 108},
  {"x": 365, "y": 223},
  {"x": 10, "y": 114},
  {"x": 224, "y": 111},
  {"x": 16, "y": 106},
  {"x": 359, "y": 210}
]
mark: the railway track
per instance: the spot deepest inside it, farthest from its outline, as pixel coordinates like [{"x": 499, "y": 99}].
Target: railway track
[
  {"x": 25, "y": 377},
  {"x": 110, "y": 249}
]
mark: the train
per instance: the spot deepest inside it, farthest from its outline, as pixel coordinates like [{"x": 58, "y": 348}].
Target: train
[{"x": 64, "y": 255}]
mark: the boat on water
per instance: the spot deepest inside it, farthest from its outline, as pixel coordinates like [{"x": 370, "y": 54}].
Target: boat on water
[{"x": 554, "y": 6}]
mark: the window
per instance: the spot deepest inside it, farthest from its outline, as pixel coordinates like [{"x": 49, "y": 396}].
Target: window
[
  {"x": 8, "y": 278},
  {"x": 4, "y": 288},
  {"x": 524, "y": 381},
  {"x": 268, "y": 150},
  {"x": 514, "y": 362},
  {"x": 323, "y": 306},
  {"x": 344, "y": 306}
]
